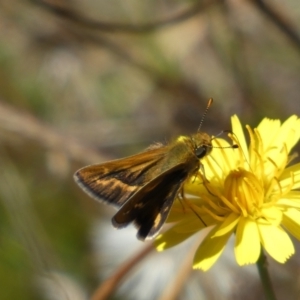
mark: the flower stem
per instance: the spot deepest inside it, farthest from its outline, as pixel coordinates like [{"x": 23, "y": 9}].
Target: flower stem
[{"x": 265, "y": 276}]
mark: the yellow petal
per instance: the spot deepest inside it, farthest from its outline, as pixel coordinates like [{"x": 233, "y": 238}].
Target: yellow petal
[
  {"x": 291, "y": 221},
  {"x": 247, "y": 243},
  {"x": 292, "y": 195},
  {"x": 179, "y": 212},
  {"x": 295, "y": 203},
  {"x": 223, "y": 155},
  {"x": 277, "y": 141},
  {"x": 228, "y": 225},
  {"x": 268, "y": 131},
  {"x": 273, "y": 134},
  {"x": 276, "y": 242},
  {"x": 272, "y": 214},
  {"x": 192, "y": 224},
  {"x": 285, "y": 177},
  {"x": 220, "y": 161},
  {"x": 237, "y": 129},
  {"x": 171, "y": 238},
  {"x": 195, "y": 186},
  {"x": 210, "y": 250},
  {"x": 289, "y": 132}
]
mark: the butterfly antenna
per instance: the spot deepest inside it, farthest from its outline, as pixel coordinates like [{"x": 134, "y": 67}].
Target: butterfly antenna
[{"x": 210, "y": 101}]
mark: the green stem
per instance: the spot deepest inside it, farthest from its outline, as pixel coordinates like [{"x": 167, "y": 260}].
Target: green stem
[{"x": 265, "y": 276}]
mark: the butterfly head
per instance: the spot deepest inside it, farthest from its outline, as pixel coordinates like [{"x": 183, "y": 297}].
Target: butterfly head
[{"x": 202, "y": 144}]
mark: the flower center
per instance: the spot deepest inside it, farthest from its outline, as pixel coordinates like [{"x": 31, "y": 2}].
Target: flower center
[{"x": 243, "y": 189}]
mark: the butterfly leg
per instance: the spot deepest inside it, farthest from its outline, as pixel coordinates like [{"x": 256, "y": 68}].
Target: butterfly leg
[{"x": 190, "y": 206}]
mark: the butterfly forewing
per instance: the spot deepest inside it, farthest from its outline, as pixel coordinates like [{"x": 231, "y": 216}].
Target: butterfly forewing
[{"x": 116, "y": 181}]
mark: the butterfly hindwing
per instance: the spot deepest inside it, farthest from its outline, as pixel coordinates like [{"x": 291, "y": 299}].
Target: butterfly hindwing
[{"x": 149, "y": 207}]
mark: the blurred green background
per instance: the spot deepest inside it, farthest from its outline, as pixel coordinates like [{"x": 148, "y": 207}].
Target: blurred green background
[{"x": 82, "y": 82}]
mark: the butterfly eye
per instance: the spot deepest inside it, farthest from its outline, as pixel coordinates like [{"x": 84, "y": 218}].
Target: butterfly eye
[{"x": 201, "y": 151}]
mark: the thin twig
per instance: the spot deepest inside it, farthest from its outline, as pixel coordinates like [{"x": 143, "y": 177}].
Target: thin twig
[
  {"x": 13, "y": 121},
  {"x": 182, "y": 274},
  {"x": 109, "y": 286},
  {"x": 280, "y": 20},
  {"x": 24, "y": 220},
  {"x": 73, "y": 16}
]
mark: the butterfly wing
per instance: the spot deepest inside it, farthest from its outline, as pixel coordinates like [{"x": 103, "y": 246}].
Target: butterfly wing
[
  {"x": 149, "y": 207},
  {"x": 116, "y": 181}
]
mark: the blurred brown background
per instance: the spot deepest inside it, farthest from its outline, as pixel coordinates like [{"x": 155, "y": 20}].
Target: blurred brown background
[{"x": 86, "y": 81}]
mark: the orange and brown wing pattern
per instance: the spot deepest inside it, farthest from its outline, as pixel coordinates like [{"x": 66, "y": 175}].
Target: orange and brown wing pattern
[{"x": 116, "y": 181}]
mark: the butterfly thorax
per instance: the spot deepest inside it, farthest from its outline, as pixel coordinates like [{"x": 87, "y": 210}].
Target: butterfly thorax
[{"x": 187, "y": 150}]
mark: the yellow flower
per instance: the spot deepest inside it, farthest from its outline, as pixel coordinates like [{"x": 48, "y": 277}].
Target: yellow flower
[{"x": 250, "y": 192}]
